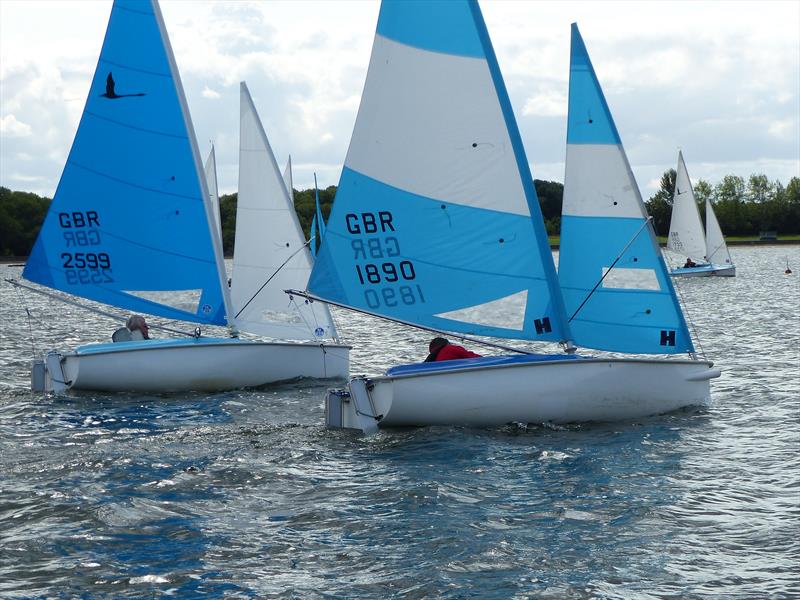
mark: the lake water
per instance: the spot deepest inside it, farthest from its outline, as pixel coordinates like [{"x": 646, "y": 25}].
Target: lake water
[{"x": 246, "y": 494}]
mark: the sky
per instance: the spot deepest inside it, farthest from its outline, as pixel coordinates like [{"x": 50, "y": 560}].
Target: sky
[{"x": 718, "y": 80}]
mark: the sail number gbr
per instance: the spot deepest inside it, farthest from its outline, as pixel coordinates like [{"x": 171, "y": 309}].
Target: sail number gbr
[{"x": 389, "y": 282}]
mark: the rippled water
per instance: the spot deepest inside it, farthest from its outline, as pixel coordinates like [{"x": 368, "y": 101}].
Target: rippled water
[{"x": 245, "y": 494}]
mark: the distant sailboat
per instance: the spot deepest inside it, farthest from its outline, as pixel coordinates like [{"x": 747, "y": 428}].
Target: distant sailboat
[
  {"x": 133, "y": 225},
  {"x": 448, "y": 236},
  {"x": 686, "y": 236}
]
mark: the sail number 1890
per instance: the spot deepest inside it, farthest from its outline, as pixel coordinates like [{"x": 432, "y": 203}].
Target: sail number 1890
[{"x": 385, "y": 272}]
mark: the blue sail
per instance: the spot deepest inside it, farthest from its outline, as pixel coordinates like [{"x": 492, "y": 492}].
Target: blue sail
[
  {"x": 606, "y": 238},
  {"x": 319, "y": 217},
  {"x": 436, "y": 220},
  {"x": 129, "y": 222},
  {"x": 314, "y": 237}
]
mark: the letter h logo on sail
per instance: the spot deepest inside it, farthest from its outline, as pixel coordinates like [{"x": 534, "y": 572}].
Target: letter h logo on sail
[
  {"x": 542, "y": 325},
  {"x": 668, "y": 337}
]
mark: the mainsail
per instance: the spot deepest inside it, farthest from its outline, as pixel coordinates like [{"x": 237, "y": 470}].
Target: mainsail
[
  {"x": 436, "y": 221},
  {"x": 130, "y": 224},
  {"x": 616, "y": 286},
  {"x": 686, "y": 235}
]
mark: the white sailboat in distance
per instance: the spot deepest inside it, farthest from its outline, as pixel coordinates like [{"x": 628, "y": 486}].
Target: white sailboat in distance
[{"x": 686, "y": 236}]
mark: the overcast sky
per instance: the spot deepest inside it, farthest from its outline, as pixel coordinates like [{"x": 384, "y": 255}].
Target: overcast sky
[{"x": 720, "y": 80}]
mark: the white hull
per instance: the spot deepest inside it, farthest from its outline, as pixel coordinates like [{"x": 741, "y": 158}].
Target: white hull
[
  {"x": 204, "y": 364},
  {"x": 543, "y": 392},
  {"x": 705, "y": 271}
]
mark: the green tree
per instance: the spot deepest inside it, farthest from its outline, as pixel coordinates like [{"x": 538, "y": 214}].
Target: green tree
[
  {"x": 731, "y": 213},
  {"x": 21, "y": 217},
  {"x": 551, "y": 196},
  {"x": 759, "y": 189},
  {"x": 659, "y": 206}
]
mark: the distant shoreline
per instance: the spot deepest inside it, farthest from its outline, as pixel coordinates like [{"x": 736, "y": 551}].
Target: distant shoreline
[{"x": 20, "y": 260}]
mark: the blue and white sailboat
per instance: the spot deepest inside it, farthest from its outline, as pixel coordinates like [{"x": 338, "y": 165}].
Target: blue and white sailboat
[
  {"x": 686, "y": 236},
  {"x": 132, "y": 225},
  {"x": 437, "y": 224}
]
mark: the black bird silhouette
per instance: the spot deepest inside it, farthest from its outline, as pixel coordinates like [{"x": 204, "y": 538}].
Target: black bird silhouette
[{"x": 111, "y": 94}]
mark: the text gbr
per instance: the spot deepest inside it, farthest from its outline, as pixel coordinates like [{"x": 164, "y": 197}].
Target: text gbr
[
  {"x": 81, "y": 229},
  {"x": 387, "y": 280}
]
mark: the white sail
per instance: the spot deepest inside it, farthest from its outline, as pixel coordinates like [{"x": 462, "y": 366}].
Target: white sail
[
  {"x": 287, "y": 178},
  {"x": 717, "y": 249},
  {"x": 686, "y": 235},
  {"x": 270, "y": 255},
  {"x": 213, "y": 189}
]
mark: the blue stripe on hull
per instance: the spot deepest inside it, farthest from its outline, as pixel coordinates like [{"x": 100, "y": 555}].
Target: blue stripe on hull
[{"x": 484, "y": 361}]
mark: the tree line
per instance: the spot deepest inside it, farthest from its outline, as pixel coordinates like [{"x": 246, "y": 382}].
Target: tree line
[{"x": 743, "y": 208}]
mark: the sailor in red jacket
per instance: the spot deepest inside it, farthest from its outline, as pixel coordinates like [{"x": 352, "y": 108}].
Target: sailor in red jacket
[{"x": 441, "y": 349}]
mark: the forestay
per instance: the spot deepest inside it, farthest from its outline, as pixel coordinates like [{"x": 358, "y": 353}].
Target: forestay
[
  {"x": 129, "y": 222},
  {"x": 634, "y": 309},
  {"x": 436, "y": 221},
  {"x": 269, "y": 252},
  {"x": 686, "y": 236}
]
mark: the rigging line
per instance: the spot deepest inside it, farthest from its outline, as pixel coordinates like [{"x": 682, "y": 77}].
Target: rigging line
[
  {"x": 715, "y": 250},
  {"x": 597, "y": 285},
  {"x": 678, "y": 286},
  {"x": 303, "y": 317},
  {"x": 30, "y": 325},
  {"x": 271, "y": 277},
  {"x": 453, "y": 334},
  {"x": 114, "y": 316}
]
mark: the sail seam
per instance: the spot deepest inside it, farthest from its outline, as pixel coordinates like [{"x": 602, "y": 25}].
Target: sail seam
[
  {"x": 121, "y": 124},
  {"x": 133, "y": 10},
  {"x": 134, "y": 185},
  {"x": 129, "y": 68},
  {"x": 159, "y": 250}
]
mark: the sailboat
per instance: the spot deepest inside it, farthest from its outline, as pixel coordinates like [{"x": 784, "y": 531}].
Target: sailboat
[
  {"x": 686, "y": 236},
  {"x": 436, "y": 224},
  {"x": 131, "y": 225}
]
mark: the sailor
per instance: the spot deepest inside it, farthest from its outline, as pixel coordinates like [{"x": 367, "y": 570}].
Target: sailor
[
  {"x": 689, "y": 263},
  {"x": 138, "y": 327},
  {"x": 441, "y": 349}
]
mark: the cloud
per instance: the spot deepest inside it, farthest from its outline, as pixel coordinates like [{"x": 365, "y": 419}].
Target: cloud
[
  {"x": 11, "y": 127},
  {"x": 719, "y": 79},
  {"x": 547, "y": 103}
]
